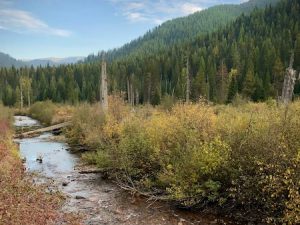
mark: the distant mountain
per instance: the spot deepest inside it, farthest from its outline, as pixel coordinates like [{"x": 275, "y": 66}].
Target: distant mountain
[
  {"x": 8, "y": 61},
  {"x": 53, "y": 61},
  {"x": 184, "y": 29}
]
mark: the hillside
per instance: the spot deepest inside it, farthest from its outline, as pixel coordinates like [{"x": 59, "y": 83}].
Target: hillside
[
  {"x": 53, "y": 61},
  {"x": 185, "y": 29},
  {"x": 247, "y": 57},
  {"x": 8, "y": 61}
]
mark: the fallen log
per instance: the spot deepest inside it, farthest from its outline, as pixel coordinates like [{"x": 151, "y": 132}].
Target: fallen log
[{"x": 42, "y": 130}]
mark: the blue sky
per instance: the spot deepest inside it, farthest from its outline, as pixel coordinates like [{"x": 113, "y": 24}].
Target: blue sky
[{"x": 60, "y": 28}]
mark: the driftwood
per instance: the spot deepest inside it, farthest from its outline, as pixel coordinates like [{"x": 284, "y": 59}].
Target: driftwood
[
  {"x": 149, "y": 195},
  {"x": 42, "y": 130},
  {"x": 92, "y": 170},
  {"x": 129, "y": 186}
]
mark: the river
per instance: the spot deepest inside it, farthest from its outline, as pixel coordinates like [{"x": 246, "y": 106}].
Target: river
[{"x": 99, "y": 201}]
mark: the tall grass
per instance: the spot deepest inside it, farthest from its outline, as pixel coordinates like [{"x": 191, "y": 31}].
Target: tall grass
[
  {"x": 242, "y": 159},
  {"x": 6, "y": 115}
]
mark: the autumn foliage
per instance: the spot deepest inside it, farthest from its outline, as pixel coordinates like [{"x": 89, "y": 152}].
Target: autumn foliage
[
  {"x": 240, "y": 160},
  {"x": 22, "y": 202}
]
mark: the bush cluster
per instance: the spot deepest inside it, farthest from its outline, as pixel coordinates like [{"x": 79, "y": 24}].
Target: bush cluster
[
  {"x": 43, "y": 111},
  {"x": 242, "y": 159}
]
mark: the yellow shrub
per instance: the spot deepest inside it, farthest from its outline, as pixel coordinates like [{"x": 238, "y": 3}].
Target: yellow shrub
[{"x": 246, "y": 155}]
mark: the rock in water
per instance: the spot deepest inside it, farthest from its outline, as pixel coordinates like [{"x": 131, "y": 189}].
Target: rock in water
[
  {"x": 39, "y": 159},
  {"x": 79, "y": 197},
  {"x": 65, "y": 183}
]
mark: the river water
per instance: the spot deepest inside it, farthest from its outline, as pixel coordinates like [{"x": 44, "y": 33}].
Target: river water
[{"x": 99, "y": 201}]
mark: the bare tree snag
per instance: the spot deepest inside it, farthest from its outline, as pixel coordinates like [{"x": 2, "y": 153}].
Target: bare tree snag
[
  {"x": 137, "y": 97},
  {"x": 22, "y": 84},
  {"x": 289, "y": 83},
  {"x": 128, "y": 91},
  {"x": 188, "y": 82},
  {"x": 104, "y": 91},
  {"x": 21, "y": 92},
  {"x": 149, "y": 88},
  {"x": 28, "y": 84},
  {"x": 132, "y": 90},
  {"x": 132, "y": 94}
]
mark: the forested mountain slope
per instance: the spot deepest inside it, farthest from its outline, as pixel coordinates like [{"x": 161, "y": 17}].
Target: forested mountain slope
[
  {"x": 184, "y": 29},
  {"x": 7, "y": 61},
  {"x": 248, "y": 57}
]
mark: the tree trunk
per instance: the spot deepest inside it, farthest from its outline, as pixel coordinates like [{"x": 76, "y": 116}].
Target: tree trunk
[
  {"x": 132, "y": 94},
  {"x": 137, "y": 97},
  {"x": 128, "y": 91},
  {"x": 289, "y": 83},
  {"x": 21, "y": 92},
  {"x": 149, "y": 89},
  {"x": 28, "y": 97},
  {"x": 104, "y": 91},
  {"x": 188, "y": 82}
]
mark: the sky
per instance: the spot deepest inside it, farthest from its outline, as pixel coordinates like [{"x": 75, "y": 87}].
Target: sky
[{"x": 31, "y": 29}]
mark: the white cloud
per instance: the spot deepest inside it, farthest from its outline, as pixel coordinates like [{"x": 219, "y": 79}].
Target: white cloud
[
  {"x": 20, "y": 21},
  {"x": 135, "y": 17},
  {"x": 189, "y": 8},
  {"x": 135, "y": 5},
  {"x": 156, "y": 11}
]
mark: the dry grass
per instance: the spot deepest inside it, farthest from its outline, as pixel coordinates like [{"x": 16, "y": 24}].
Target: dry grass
[{"x": 22, "y": 202}]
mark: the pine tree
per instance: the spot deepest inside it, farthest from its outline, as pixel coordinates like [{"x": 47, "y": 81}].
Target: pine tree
[
  {"x": 222, "y": 83},
  {"x": 249, "y": 83},
  {"x": 199, "y": 85},
  {"x": 278, "y": 76},
  {"x": 297, "y": 54},
  {"x": 233, "y": 86}
]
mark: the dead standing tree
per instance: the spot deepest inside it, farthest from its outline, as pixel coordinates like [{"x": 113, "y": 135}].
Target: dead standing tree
[
  {"x": 188, "y": 81},
  {"x": 132, "y": 93},
  {"x": 289, "y": 83},
  {"x": 21, "y": 93},
  {"x": 103, "y": 87}
]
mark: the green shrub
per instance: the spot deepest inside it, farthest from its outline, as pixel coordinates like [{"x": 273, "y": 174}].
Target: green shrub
[
  {"x": 87, "y": 125},
  {"x": 244, "y": 156},
  {"x": 265, "y": 174},
  {"x": 43, "y": 111},
  {"x": 136, "y": 154},
  {"x": 196, "y": 177},
  {"x": 98, "y": 158}
]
